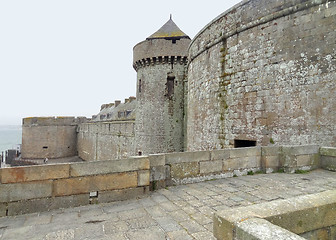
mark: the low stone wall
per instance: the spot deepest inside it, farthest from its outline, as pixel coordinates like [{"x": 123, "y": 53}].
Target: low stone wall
[
  {"x": 280, "y": 219},
  {"x": 187, "y": 167},
  {"x": 41, "y": 188},
  {"x": 328, "y": 158}
]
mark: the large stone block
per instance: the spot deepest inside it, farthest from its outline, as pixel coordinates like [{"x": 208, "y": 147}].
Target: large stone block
[
  {"x": 143, "y": 178},
  {"x": 34, "y": 173},
  {"x": 319, "y": 234},
  {"x": 185, "y": 157},
  {"x": 46, "y": 204},
  {"x": 270, "y": 151},
  {"x": 184, "y": 170},
  {"x": 211, "y": 167},
  {"x": 63, "y": 187},
  {"x": 220, "y": 154},
  {"x": 245, "y": 152},
  {"x": 158, "y": 173},
  {"x": 106, "y": 167},
  {"x": 242, "y": 163},
  {"x": 328, "y": 163},
  {"x": 270, "y": 162},
  {"x": 328, "y": 151},
  {"x": 122, "y": 194},
  {"x": 258, "y": 229},
  {"x": 69, "y": 201},
  {"x": 308, "y": 160},
  {"x": 333, "y": 230},
  {"x": 301, "y": 150},
  {"x": 3, "y": 209},
  {"x": 28, "y": 190},
  {"x": 294, "y": 214},
  {"x": 157, "y": 160}
]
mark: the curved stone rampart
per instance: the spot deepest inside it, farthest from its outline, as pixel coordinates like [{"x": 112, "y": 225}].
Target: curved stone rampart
[
  {"x": 50, "y": 137},
  {"x": 264, "y": 71}
]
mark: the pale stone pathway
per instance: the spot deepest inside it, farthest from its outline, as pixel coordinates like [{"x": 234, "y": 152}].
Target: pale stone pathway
[{"x": 180, "y": 212}]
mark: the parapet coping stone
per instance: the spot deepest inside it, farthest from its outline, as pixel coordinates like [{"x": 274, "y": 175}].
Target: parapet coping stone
[
  {"x": 328, "y": 151},
  {"x": 294, "y": 214},
  {"x": 258, "y": 228},
  {"x": 108, "y": 166}
]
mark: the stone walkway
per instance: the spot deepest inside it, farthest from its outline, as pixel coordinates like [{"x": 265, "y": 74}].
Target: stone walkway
[{"x": 180, "y": 212}]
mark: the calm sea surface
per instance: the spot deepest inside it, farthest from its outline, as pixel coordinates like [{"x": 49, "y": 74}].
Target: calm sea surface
[{"x": 10, "y": 136}]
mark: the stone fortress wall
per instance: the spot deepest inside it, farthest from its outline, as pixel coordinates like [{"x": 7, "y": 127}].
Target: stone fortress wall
[
  {"x": 264, "y": 71},
  {"x": 105, "y": 140},
  {"x": 110, "y": 134},
  {"x": 49, "y": 137}
]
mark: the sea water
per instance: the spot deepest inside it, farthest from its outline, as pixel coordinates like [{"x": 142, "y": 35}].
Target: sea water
[{"x": 10, "y": 137}]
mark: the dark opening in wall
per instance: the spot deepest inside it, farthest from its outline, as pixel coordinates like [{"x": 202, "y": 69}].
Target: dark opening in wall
[
  {"x": 170, "y": 86},
  {"x": 244, "y": 143},
  {"x": 139, "y": 85},
  {"x": 45, "y": 147},
  {"x": 174, "y": 41}
]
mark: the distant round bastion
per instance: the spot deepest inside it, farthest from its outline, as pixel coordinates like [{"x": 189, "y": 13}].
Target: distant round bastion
[
  {"x": 50, "y": 137},
  {"x": 264, "y": 73}
]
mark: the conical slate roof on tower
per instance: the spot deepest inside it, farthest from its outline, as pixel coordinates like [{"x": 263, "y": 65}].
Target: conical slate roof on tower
[{"x": 169, "y": 31}]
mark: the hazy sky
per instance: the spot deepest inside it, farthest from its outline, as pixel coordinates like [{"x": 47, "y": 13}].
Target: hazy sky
[{"x": 67, "y": 57}]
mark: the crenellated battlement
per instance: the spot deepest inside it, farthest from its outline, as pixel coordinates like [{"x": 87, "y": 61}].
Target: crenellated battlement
[
  {"x": 160, "y": 51},
  {"x": 183, "y": 60}
]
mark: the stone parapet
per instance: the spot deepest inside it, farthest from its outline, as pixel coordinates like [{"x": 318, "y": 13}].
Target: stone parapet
[
  {"x": 187, "y": 167},
  {"x": 328, "y": 158},
  {"x": 41, "y": 188},
  {"x": 288, "y": 218},
  {"x": 101, "y": 181}
]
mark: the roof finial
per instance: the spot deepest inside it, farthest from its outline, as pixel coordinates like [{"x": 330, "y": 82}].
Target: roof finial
[{"x": 170, "y": 16}]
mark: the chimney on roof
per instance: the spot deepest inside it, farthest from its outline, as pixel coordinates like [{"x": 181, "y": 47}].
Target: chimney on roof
[{"x": 116, "y": 103}]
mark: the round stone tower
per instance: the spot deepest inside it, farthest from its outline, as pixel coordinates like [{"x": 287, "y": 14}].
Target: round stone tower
[{"x": 160, "y": 62}]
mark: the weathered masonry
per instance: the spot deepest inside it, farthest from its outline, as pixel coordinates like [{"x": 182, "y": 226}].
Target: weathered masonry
[
  {"x": 49, "y": 137},
  {"x": 41, "y": 188},
  {"x": 160, "y": 63},
  {"x": 263, "y": 73}
]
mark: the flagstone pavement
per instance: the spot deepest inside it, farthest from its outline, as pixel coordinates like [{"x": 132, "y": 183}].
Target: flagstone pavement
[{"x": 177, "y": 212}]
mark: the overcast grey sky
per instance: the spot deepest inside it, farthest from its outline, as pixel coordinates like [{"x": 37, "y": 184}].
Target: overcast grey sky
[{"x": 67, "y": 57}]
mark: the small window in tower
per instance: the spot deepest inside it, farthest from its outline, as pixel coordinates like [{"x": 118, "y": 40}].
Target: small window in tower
[
  {"x": 139, "y": 85},
  {"x": 170, "y": 86},
  {"x": 174, "y": 41},
  {"x": 244, "y": 143}
]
